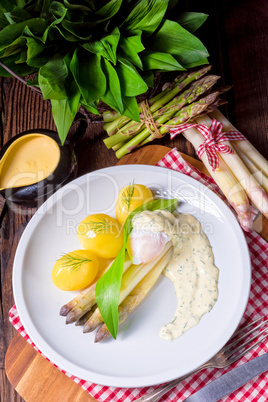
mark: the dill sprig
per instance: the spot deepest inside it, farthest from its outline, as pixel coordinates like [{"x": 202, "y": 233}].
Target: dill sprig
[
  {"x": 73, "y": 261},
  {"x": 100, "y": 227},
  {"x": 128, "y": 194}
]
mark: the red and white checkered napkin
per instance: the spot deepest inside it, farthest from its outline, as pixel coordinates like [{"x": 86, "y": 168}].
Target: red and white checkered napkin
[{"x": 257, "y": 389}]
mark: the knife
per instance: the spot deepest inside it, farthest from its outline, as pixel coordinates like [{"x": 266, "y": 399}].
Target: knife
[{"x": 229, "y": 382}]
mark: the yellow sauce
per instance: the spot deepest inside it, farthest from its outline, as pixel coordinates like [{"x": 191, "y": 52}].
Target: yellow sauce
[
  {"x": 28, "y": 160},
  {"x": 191, "y": 268}
]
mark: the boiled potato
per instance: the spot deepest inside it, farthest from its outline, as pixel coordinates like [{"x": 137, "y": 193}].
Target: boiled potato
[
  {"x": 75, "y": 270},
  {"x": 102, "y": 234},
  {"x": 130, "y": 198}
]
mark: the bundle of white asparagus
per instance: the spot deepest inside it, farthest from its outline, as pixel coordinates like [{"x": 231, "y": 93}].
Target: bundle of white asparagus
[
  {"x": 137, "y": 281},
  {"x": 242, "y": 175}
]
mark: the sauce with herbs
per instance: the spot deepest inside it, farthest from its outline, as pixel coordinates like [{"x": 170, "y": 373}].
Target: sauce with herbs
[{"x": 191, "y": 269}]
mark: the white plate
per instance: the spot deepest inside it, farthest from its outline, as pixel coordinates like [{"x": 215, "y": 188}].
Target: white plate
[{"x": 139, "y": 357}]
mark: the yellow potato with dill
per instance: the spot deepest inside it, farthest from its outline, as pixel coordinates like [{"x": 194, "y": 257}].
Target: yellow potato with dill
[
  {"x": 130, "y": 198},
  {"x": 75, "y": 270},
  {"x": 102, "y": 234}
]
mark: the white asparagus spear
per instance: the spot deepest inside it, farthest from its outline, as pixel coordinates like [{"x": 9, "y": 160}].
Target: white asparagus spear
[
  {"x": 130, "y": 279},
  {"x": 137, "y": 295},
  {"x": 85, "y": 300},
  {"x": 261, "y": 178},
  {"x": 255, "y": 192},
  {"x": 227, "y": 182},
  {"x": 246, "y": 147}
]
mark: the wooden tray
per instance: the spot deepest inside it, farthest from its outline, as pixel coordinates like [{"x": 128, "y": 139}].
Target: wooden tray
[{"x": 33, "y": 377}]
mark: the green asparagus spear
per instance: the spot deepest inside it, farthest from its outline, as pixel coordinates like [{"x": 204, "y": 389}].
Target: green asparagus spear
[
  {"x": 208, "y": 109},
  {"x": 158, "y": 101},
  {"x": 185, "y": 114},
  {"x": 165, "y": 113}
]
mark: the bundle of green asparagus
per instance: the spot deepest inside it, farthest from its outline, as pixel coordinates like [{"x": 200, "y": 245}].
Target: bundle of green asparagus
[
  {"x": 188, "y": 96},
  {"x": 137, "y": 281}
]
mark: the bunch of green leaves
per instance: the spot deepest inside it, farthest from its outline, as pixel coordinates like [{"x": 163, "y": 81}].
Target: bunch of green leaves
[
  {"x": 108, "y": 286},
  {"x": 87, "y": 50}
]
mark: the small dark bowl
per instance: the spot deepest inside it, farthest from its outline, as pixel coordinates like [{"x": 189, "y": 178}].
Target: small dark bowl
[{"x": 35, "y": 194}]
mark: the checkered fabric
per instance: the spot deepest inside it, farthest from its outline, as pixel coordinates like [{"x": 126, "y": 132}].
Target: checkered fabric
[{"x": 254, "y": 391}]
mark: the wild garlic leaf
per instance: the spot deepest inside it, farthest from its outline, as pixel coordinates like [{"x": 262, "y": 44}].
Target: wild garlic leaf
[
  {"x": 130, "y": 47},
  {"x": 77, "y": 7},
  {"x": 109, "y": 10},
  {"x": 37, "y": 53},
  {"x": 88, "y": 74},
  {"x": 185, "y": 47},
  {"x": 7, "y": 5},
  {"x": 64, "y": 111},
  {"x": 200, "y": 62},
  {"x": 105, "y": 47},
  {"x": 80, "y": 30},
  {"x": 107, "y": 293},
  {"x": 131, "y": 82},
  {"x": 112, "y": 96},
  {"x": 12, "y": 32},
  {"x": 3, "y": 20},
  {"x": 148, "y": 77},
  {"x": 152, "y": 60},
  {"x": 23, "y": 56},
  {"x": 68, "y": 36},
  {"x": 92, "y": 106},
  {"x": 17, "y": 15},
  {"x": 51, "y": 78},
  {"x": 131, "y": 108},
  {"x": 20, "y": 69},
  {"x": 15, "y": 48},
  {"x": 146, "y": 16},
  {"x": 192, "y": 21},
  {"x": 110, "y": 43},
  {"x": 58, "y": 11}
]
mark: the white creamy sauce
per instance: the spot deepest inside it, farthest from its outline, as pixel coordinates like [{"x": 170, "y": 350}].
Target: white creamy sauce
[{"x": 191, "y": 269}]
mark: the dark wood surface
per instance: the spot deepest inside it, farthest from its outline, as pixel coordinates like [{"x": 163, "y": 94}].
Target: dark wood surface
[{"x": 236, "y": 36}]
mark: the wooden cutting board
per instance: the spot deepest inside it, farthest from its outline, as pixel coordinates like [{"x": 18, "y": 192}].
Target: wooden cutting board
[{"x": 33, "y": 377}]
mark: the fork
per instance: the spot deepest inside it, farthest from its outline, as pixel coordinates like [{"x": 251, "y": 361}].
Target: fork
[{"x": 229, "y": 354}]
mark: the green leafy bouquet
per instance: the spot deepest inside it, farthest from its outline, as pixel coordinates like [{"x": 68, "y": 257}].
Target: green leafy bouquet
[{"x": 89, "y": 51}]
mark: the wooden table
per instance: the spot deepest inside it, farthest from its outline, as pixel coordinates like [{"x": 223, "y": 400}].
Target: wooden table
[{"x": 236, "y": 37}]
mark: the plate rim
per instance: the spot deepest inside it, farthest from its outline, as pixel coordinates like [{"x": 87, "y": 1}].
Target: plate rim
[{"x": 122, "y": 382}]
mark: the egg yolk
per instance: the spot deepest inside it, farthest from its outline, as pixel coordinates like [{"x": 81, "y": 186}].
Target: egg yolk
[
  {"x": 130, "y": 198},
  {"x": 75, "y": 270},
  {"x": 102, "y": 234}
]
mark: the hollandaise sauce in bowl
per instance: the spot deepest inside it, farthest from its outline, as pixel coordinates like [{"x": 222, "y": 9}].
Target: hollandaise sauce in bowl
[{"x": 33, "y": 165}]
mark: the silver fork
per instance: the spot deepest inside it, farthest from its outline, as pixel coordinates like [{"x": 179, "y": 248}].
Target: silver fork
[{"x": 229, "y": 354}]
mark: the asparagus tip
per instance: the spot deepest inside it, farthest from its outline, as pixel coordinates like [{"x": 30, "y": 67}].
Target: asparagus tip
[
  {"x": 102, "y": 333},
  {"x": 70, "y": 318},
  {"x": 64, "y": 310},
  {"x": 87, "y": 329},
  {"x": 202, "y": 71},
  {"x": 97, "y": 338}
]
